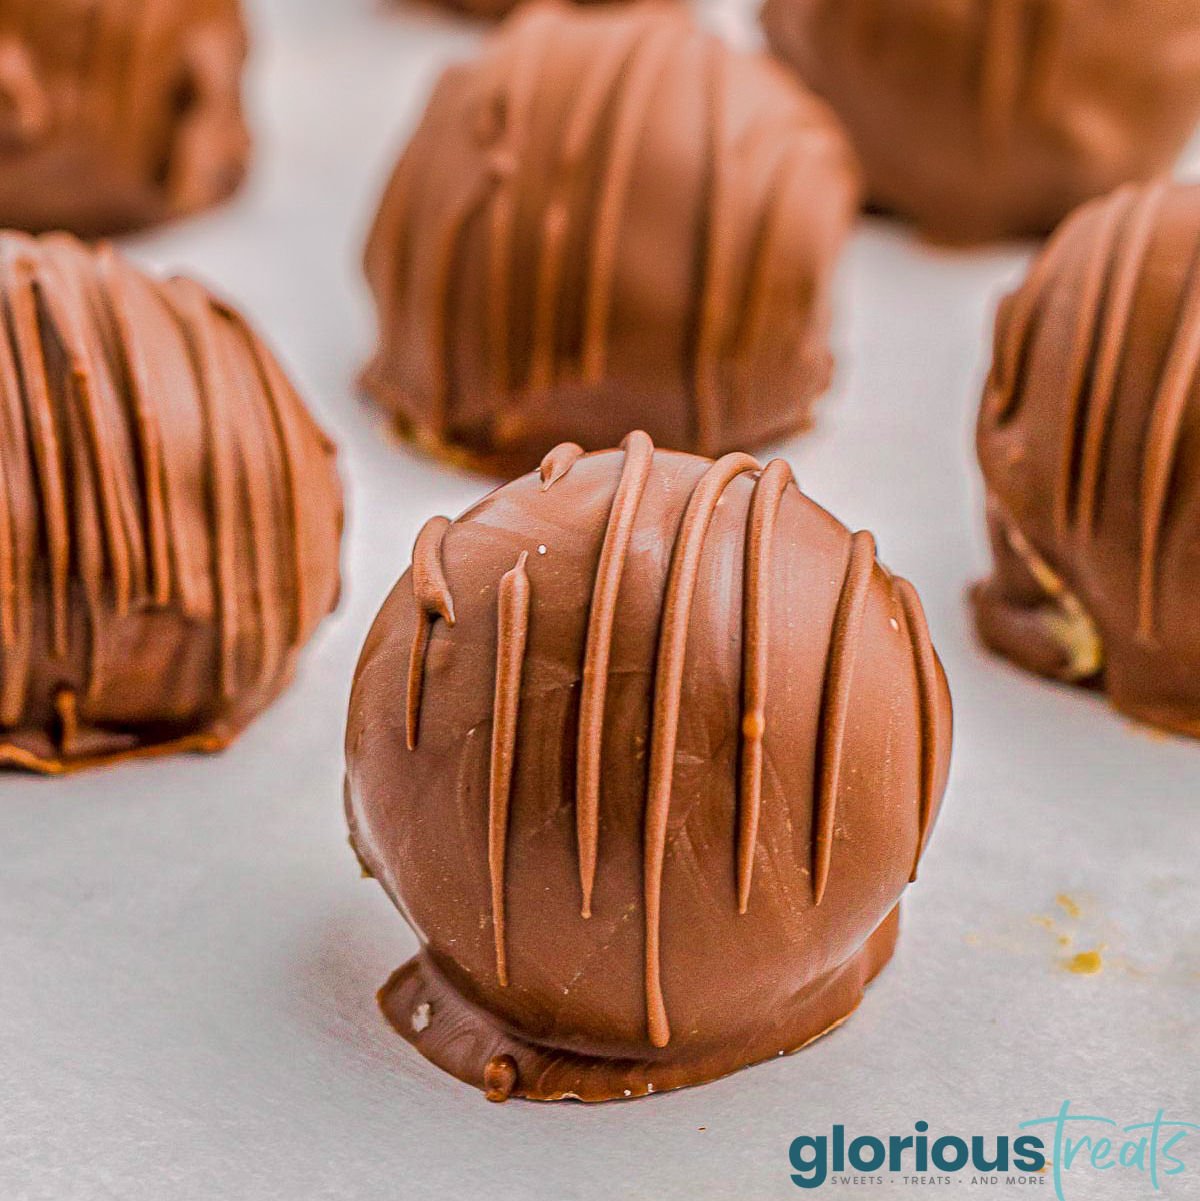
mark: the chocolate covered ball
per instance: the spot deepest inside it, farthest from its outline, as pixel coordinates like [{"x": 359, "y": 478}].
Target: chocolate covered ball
[
  {"x": 1089, "y": 439},
  {"x": 645, "y": 747},
  {"x": 608, "y": 219},
  {"x": 117, "y": 114},
  {"x": 990, "y": 119},
  {"x": 169, "y": 513}
]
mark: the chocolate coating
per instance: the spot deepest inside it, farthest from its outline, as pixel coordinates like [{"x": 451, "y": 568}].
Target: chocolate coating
[
  {"x": 645, "y": 748},
  {"x": 608, "y": 219},
  {"x": 1089, "y": 438},
  {"x": 169, "y": 513},
  {"x": 116, "y": 114},
  {"x": 982, "y": 119}
]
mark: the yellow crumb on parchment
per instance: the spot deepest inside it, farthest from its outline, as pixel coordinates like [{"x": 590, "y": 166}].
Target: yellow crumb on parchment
[{"x": 1086, "y": 963}]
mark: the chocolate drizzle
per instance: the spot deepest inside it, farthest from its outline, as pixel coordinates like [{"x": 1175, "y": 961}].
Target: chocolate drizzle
[
  {"x": 441, "y": 357},
  {"x": 668, "y": 684},
  {"x": 639, "y": 455},
  {"x": 760, "y": 533},
  {"x": 1015, "y": 46},
  {"x": 759, "y": 602},
  {"x": 147, "y": 427},
  {"x": 107, "y": 380},
  {"x": 1016, "y": 327},
  {"x": 925, "y": 662},
  {"x": 657, "y": 41},
  {"x": 714, "y": 290},
  {"x": 433, "y": 598},
  {"x": 511, "y": 631},
  {"x": 1175, "y": 389},
  {"x": 511, "y": 109},
  {"x": 1091, "y": 300},
  {"x": 565, "y": 106},
  {"x": 188, "y": 303},
  {"x": 1000, "y": 60},
  {"x": 835, "y": 702},
  {"x": 558, "y": 462},
  {"x": 1110, "y": 348}
]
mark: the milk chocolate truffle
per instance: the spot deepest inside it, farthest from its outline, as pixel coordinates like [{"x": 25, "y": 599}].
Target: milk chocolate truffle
[
  {"x": 169, "y": 513},
  {"x": 116, "y": 114},
  {"x": 645, "y": 748},
  {"x": 1089, "y": 438},
  {"x": 983, "y": 119},
  {"x": 608, "y": 219}
]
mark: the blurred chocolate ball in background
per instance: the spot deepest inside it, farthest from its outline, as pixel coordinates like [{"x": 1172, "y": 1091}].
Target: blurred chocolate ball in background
[
  {"x": 118, "y": 114},
  {"x": 608, "y": 219},
  {"x": 170, "y": 515},
  {"x": 983, "y": 119},
  {"x": 1089, "y": 438}
]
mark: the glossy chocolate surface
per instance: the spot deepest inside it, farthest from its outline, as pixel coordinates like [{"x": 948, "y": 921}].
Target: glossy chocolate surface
[
  {"x": 169, "y": 513},
  {"x": 117, "y": 114},
  {"x": 646, "y": 749},
  {"x": 983, "y": 119},
  {"x": 608, "y": 219},
  {"x": 1089, "y": 439}
]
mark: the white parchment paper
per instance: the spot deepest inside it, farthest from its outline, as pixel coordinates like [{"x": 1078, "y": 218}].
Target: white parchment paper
[{"x": 188, "y": 957}]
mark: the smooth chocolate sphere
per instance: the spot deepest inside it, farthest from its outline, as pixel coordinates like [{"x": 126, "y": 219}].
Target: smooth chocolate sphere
[
  {"x": 1089, "y": 439},
  {"x": 608, "y": 219},
  {"x": 117, "y": 114},
  {"x": 983, "y": 119},
  {"x": 169, "y": 513},
  {"x": 646, "y": 749}
]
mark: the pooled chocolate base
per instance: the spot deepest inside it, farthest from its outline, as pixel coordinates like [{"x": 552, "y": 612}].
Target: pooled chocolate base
[
  {"x": 464, "y": 1041},
  {"x": 101, "y": 749},
  {"x": 505, "y": 449},
  {"x": 75, "y": 745}
]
